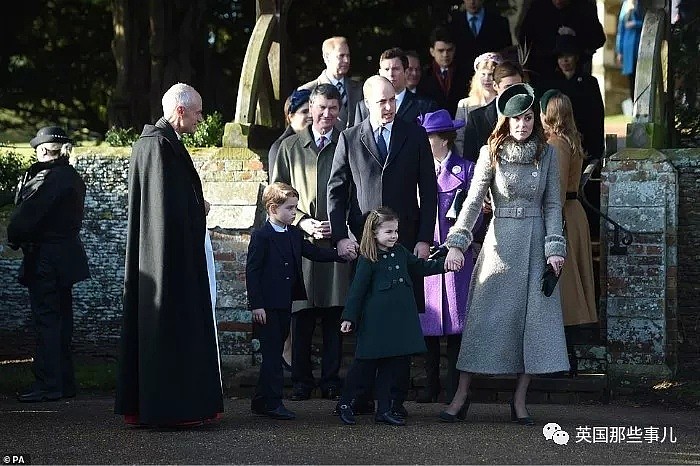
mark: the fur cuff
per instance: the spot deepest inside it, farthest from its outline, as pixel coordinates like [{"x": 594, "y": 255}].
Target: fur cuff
[
  {"x": 459, "y": 238},
  {"x": 554, "y": 245}
]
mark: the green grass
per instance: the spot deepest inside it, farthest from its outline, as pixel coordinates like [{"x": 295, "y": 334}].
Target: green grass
[{"x": 91, "y": 375}]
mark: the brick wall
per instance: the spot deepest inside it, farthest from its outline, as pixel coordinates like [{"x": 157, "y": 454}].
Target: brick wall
[
  {"x": 232, "y": 180},
  {"x": 687, "y": 162}
]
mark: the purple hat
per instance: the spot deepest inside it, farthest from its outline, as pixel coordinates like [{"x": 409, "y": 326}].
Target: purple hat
[{"x": 439, "y": 122}]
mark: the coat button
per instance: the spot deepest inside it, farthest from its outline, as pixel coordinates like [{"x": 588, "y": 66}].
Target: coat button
[
  {"x": 286, "y": 263},
  {"x": 393, "y": 281},
  {"x": 390, "y": 267},
  {"x": 287, "y": 278},
  {"x": 534, "y": 188},
  {"x": 534, "y": 174},
  {"x": 397, "y": 267},
  {"x": 392, "y": 255},
  {"x": 384, "y": 256},
  {"x": 401, "y": 280}
]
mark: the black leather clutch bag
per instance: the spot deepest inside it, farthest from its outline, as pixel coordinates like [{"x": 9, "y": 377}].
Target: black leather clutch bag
[
  {"x": 457, "y": 202},
  {"x": 549, "y": 280}
]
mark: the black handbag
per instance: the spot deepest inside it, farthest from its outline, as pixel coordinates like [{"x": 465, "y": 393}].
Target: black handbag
[
  {"x": 549, "y": 280},
  {"x": 437, "y": 252}
]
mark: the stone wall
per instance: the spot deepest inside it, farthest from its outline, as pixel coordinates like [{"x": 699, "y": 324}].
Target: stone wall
[
  {"x": 232, "y": 180},
  {"x": 651, "y": 293}
]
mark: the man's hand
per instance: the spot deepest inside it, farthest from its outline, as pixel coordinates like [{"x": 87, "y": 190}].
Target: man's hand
[
  {"x": 259, "y": 316},
  {"x": 454, "y": 260},
  {"x": 345, "y": 326},
  {"x": 323, "y": 230},
  {"x": 347, "y": 249},
  {"x": 309, "y": 225},
  {"x": 422, "y": 250}
]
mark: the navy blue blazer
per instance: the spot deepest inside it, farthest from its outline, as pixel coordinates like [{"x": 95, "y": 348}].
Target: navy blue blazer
[{"x": 272, "y": 282}]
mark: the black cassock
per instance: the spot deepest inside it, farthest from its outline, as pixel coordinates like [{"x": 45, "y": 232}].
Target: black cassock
[{"x": 168, "y": 368}]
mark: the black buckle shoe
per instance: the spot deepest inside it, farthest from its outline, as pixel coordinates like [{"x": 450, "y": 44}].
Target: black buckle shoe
[
  {"x": 525, "y": 421},
  {"x": 346, "y": 414}
]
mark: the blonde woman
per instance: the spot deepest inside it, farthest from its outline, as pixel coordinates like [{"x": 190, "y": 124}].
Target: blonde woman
[
  {"x": 481, "y": 90},
  {"x": 576, "y": 282}
]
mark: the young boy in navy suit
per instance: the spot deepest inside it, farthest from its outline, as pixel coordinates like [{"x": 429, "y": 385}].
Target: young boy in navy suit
[{"x": 273, "y": 281}]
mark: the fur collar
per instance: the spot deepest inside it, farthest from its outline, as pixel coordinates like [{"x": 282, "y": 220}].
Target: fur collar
[{"x": 519, "y": 152}]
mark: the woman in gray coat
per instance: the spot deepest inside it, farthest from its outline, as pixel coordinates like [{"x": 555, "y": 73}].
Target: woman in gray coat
[{"x": 512, "y": 327}]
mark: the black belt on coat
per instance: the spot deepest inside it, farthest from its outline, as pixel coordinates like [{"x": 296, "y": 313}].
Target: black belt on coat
[{"x": 571, "y": 195}]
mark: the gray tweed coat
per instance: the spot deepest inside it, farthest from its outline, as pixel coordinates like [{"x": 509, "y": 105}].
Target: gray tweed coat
[{"x": 512, "y": 327}]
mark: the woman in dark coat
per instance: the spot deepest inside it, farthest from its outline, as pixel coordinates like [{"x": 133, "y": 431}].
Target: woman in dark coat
[
  {"x": 297, "y": 116},
  {"x": 445, "y": 295}
]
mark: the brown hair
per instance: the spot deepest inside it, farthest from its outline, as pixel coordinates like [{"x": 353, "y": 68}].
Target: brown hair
[
  {"x": 392, "y": 53},
  {"x": 506, "y": 69},
  {"x": 368, "y": 244},
  {"x": 558, "y": 118},
  {"x": 276, "y": 194},
  {"x": 502, "y": 132},
  {"x": 287, "y": 115}
]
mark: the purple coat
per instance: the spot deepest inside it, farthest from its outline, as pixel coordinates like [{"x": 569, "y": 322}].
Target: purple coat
[{"x": 446, "y": 295}]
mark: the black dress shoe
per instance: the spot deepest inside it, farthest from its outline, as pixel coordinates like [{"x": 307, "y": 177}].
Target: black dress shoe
[
  {"x": 37, "y": 396},
  {"x": 461, "y": 414},
  {"x": 389, "y": 418},
  {"x": 300, "y": 395},
  {"x": 331, "y": 393},
  {"x": 281, "y": 413},
  {"x": 346, "y": 414},
  {"x": 399, "y": 410},
  {"x": 525, "y": 421},
  {"x": 259, "y": 410}
]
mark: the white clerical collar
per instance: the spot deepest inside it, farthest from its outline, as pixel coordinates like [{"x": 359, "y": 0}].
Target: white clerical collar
[
  {"x": 277, "y": 228},
  {"x": 399, "y": 98}
]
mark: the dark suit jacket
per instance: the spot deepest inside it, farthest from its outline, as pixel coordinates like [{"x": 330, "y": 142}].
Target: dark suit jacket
[
  {"x": 494, "y": 36},
  {"x": 540, "y": 29},
  {"x": 429, "y": 86},
  {"x": 412, "y": 106},
  {"x": 359, "y": 183},
  {"x": 480, "y": 124},
  {"x": 272, "y": 282}
]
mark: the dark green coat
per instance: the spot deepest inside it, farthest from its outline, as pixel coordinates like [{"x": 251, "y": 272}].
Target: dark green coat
[{"x": 382, "y": 307}]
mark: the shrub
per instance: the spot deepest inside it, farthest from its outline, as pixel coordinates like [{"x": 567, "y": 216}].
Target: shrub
[
  {"x": 12, "y": 167},
  {"x": 209, "y": 132},
  {"x": 120, "y": 137}
]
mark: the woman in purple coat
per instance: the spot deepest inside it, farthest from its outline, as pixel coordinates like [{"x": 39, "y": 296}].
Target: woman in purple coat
[{"x": 445, "y": 295}]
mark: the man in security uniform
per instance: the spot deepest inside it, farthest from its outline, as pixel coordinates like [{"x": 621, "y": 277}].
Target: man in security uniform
[{"x": 46, "y": 224}]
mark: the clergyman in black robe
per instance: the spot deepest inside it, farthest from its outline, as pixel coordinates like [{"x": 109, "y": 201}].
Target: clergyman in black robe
[{"x": 168, "y": 367}]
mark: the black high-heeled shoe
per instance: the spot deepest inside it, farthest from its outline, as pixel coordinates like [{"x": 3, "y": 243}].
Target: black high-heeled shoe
[
  {"x": 525, "y": 421},
  {"x": 461, "y": 414}
]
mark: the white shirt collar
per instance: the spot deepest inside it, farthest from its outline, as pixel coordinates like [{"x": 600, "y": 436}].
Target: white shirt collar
[
  {"x": 276, "y": 227},
  {"x": 387, "y": 127},
  {"x": 318, "y": 135},
  {"x": 442, "y": 164},
  {"x": 333, "y": 80},
  {"x": 399, "y": 98}
]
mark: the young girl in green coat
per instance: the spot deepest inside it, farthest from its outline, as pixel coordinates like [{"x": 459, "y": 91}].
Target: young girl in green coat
[{"x": 382, "y": 309}]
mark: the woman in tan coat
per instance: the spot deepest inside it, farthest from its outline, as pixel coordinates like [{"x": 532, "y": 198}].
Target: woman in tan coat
[{"x": 576, "y": 281}]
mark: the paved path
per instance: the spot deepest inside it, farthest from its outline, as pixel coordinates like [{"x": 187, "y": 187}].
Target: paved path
[{"x": 84, "y": 431}]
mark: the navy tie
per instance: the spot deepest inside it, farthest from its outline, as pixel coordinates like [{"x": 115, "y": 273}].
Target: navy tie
[
  {"x": 343, "y": 94},
  {"x": 472, "y": 24},
  {"x": 381, "y": 145}
]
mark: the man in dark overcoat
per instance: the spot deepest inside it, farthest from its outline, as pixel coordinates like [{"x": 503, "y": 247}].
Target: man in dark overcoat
[
  {"x": 384, "y": 161},
  {"x": 168, "y": 367},
  {"x": 46, "y": 225}
]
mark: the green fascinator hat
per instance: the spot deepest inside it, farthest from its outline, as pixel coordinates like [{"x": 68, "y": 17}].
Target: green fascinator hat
[
  {"x": 544, "y": 100},
  {"x": 515, "y": 100}
]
